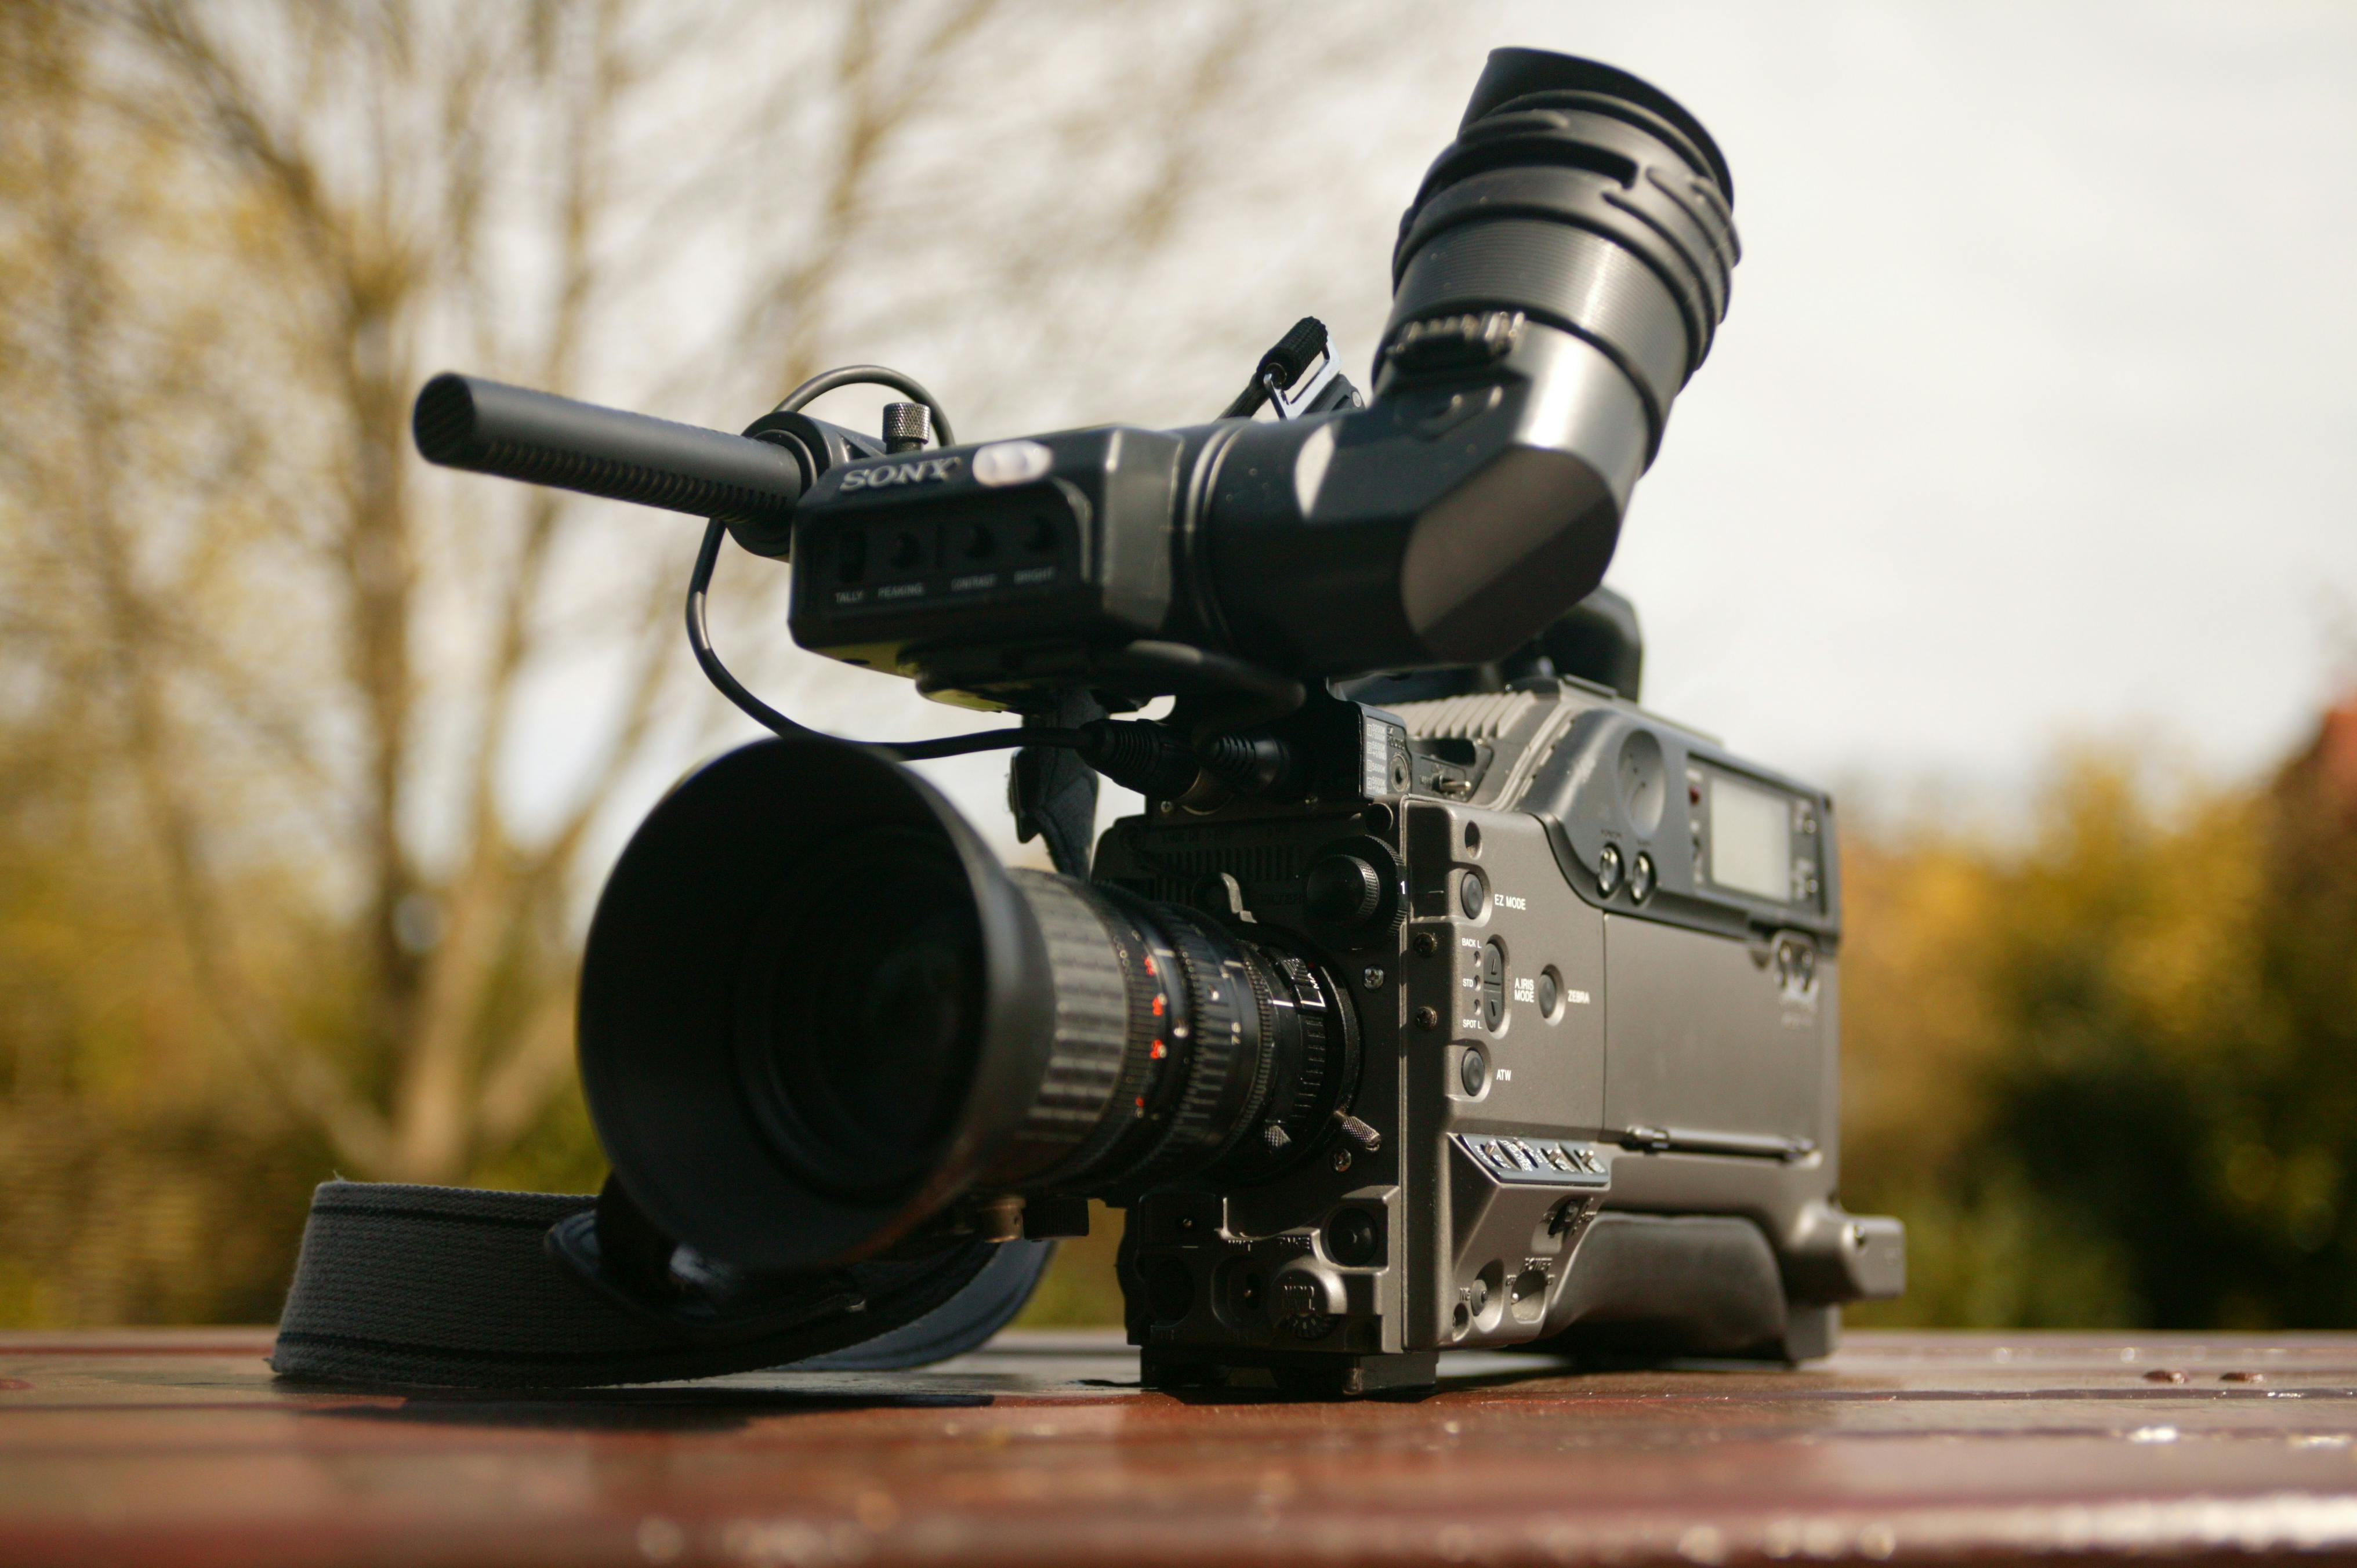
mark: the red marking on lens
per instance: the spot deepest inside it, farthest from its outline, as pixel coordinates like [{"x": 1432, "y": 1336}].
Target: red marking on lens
[
  {"x": 1157, "y": 1006},
  {"x": 1159, "y": 1051},
  {"x": 1149, "y": 965},
  {"x": 1141, "y": 1103}
]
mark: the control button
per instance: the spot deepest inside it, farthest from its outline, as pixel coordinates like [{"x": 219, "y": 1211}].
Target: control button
[
  {"x": 1473, "y": 1073},
  {"x": 976, "y": 542},
  {"x": 1343, "y": 890},
  {"x": 1608, "y": 871},
  {"x": 1472, "y": 895},
  {"x": 1640, "y": 877},
  {"x": 907, "y": 426},
  {"x": 1351, "y": 1239},
  {"x": 1559, "y": 1159},
  {"x": 1012, "y": 462},
  {"x": 907, "y": 553},
  {"x": 1493, "y": 985},
  {"x": 1550, "y": 992}
]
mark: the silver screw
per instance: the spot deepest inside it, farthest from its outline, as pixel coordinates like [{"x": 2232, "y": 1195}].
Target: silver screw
[
  {"x": 1341, "y": 1159},
  {"x": 1373, "y": 979}
]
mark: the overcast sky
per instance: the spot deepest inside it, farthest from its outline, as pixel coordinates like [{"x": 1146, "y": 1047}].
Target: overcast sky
[
  {"x": 2032, "y": 422},
  {"x": 2034, "y": 419}
]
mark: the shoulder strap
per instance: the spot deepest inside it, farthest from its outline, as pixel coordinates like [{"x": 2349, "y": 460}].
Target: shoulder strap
[{"x": 456, "y": 1287}]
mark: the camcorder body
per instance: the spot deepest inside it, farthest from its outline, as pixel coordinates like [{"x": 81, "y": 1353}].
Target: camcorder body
[
  {"x": 1440, "y": 997},
  {"x": 1597, "y": 1033}
]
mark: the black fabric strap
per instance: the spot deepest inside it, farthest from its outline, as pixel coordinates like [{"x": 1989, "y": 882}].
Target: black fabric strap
[{"x": 454, "y": 1287}]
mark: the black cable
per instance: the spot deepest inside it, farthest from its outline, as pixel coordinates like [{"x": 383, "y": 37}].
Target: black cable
[
  {"x": 826, "y": 382},
  {"x": 699, "y": 587}
]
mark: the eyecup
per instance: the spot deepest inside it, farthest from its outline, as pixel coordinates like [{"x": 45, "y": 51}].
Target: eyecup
[{"x": 1514, "y": 73}]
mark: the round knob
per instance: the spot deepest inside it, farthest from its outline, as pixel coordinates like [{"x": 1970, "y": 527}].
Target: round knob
[
  {"x": 1307, "y": 1299},
  {"x": 1343, "y": 890},
  {"x": 907, "y": 426}
]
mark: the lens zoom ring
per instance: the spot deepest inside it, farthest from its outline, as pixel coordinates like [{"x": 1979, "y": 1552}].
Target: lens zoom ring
[
  {"x": 1568, "y": 277},
  {"x": 1092, "y": 1025}
]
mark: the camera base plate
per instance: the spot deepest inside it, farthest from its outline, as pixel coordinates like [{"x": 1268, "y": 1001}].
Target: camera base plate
[{"x": 1409, "y": 1372}]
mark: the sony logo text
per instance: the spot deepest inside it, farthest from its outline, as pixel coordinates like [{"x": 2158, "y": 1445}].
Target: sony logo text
[{"x": 915, "y": 473}]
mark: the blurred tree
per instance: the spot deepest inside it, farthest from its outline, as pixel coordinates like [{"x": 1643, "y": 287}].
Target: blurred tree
[
  {"x": 273, "y": 897},
  {"x": 2106, "y": 1078}
]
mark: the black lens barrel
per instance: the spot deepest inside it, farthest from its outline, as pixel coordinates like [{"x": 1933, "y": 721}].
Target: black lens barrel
[
  {"x": 1180, "y": 1050},
  {"x": 1582, "y": 199}
]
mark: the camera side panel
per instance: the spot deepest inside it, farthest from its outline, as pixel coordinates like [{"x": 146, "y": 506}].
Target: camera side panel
[
  {"x": 1505, "y": 1069},
  {"x": 1714, "y": 1041}
]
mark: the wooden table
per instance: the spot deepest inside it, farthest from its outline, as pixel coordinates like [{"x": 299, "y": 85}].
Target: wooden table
[{"x": 178, "y": 1447}]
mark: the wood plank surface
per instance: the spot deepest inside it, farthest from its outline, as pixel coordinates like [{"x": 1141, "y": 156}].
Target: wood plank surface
[{"x": 181, "y": 1448}]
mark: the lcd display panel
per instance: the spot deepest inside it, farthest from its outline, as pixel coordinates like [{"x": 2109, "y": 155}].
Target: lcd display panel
[{"x": 1750, "y": 840}]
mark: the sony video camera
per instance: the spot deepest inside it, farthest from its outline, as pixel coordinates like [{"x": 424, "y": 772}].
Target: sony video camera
[{"x": 1440, "y": 997}]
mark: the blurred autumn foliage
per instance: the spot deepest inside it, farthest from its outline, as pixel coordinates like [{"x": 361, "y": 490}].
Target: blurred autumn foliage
[
  {"x": 2104, "y": 1073},
  {"x": 270, "y": 908},
  {"x": 309, "y": 755}
]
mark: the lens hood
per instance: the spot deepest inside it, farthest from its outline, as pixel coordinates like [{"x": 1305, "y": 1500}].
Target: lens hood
[{"x": 778, "y": 930}]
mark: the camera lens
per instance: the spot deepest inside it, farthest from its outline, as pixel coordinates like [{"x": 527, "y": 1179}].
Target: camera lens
[
  {"x": 858, "y": 1011},
  {"x": 815, "y": 1012},
  {"x": 1225, "y": 1057}
]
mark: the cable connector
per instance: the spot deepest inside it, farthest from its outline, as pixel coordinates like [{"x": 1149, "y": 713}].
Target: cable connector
[{"x": 1140, "y": 755}]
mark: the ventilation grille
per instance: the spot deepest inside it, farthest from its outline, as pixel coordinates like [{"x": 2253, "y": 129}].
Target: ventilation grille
[{"x": 1486, "y": 716}]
